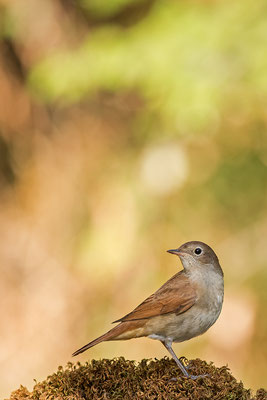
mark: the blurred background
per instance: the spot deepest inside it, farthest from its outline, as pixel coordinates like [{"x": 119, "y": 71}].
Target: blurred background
[{"x": 128, "y": 127}]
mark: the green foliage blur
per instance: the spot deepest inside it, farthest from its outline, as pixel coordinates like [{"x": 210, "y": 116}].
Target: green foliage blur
[{"x": 127, "y": 128}]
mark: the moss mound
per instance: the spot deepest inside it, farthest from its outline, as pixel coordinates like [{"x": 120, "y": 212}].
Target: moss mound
[{"x": 123, "y": 379}]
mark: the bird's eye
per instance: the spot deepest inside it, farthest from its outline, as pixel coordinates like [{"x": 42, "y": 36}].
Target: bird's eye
[{"x": 198, "y": 251}]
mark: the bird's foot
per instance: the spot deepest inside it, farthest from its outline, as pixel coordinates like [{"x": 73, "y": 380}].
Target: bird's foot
[
  {"x": 186, "y": 364},
  {"x": 193, "y": 377}
]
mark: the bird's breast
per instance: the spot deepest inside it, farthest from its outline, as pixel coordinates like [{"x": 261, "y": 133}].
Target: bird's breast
[{"x": 196, "y": 320}]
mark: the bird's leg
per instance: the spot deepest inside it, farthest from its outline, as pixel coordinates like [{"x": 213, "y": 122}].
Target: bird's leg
[
  {"x": 168, "y": 346},
  {"x": 176, "y": 359}
]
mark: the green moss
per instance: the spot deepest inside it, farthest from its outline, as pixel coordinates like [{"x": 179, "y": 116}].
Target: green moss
[{"x": 123, "y": 379}]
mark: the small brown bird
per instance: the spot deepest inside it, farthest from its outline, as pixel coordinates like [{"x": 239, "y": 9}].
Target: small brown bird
[{"x": 186, "y": 306}]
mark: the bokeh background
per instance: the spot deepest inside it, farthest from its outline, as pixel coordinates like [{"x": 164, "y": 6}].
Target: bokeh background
[{"x": 128, "y": 127}]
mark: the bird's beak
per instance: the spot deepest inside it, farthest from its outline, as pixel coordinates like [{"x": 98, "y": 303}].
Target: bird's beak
[{"x": 177, "y": 252}]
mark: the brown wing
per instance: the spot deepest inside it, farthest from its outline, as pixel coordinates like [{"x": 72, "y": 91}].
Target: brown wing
[{"x": 177, "y": 295}]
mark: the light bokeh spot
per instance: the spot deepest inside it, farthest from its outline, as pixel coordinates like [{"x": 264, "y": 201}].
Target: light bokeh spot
[{"x": 164, "y": 168}]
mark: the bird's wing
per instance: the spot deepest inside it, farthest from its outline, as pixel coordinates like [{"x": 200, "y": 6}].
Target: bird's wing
[{"x": 177, "y": 295}]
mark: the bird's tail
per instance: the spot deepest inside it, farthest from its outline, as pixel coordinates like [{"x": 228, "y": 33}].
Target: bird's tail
[
  {"x": 110, "y": 335},
  {"x": 91, "y": 344}
]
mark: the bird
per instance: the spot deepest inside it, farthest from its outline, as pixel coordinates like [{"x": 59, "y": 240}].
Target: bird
[{"x": 184, "y": 307}]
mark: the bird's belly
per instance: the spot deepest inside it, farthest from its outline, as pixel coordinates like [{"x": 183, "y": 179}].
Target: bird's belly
[{"x": 179, "y": 328}]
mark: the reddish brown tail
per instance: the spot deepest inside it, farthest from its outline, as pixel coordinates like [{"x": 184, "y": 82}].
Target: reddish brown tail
[
  {"x": 112, "y": 334},
  {"x": 91, "y": 344}
]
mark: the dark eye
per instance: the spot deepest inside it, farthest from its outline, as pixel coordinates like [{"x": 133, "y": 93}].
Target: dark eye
[{"x": 198, "y": 251}]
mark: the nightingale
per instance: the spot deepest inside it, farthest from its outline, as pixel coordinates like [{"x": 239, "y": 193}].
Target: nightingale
[{"x": 186, "y": 306}]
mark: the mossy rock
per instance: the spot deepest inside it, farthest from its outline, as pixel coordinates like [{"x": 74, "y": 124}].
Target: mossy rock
[{"x": 123, "y": 379}]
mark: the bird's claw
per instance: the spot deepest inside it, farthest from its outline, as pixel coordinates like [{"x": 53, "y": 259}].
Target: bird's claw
[{"x": 194, "y": 377}]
